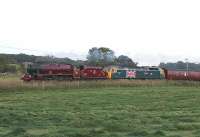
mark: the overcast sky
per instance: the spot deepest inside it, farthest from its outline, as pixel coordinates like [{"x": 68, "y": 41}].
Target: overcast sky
[{"x": 149, "y": 31}]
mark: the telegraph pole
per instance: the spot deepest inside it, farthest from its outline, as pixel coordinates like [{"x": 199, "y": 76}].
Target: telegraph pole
[{"x": 186, "y": 60}]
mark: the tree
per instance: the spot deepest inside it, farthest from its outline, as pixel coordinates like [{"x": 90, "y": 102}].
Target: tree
[
  {"x": 125, "y": 61},
  {"x": 21, "y": 58},
  {"x": 101, "y": 56},
  {"x": 3, "y": 64},
  {"x": 94, "y": 56},
  {"x": 180, "y": 65},
  {"x": 45, "y": 59}
]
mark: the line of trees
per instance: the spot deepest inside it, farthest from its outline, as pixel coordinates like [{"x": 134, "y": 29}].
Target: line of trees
[
  {"x": 104, "y": 56},
  {"x": 180, "y": 65},
  {"x": 5, "y": 67},
  {"x": 96, "y": 57}
]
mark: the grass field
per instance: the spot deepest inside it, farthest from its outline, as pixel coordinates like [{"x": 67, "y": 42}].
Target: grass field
[{"x": 154, "y": 111}]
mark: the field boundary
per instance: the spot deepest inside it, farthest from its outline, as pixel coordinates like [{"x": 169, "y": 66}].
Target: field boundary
[{"x": 19, "y": 84}]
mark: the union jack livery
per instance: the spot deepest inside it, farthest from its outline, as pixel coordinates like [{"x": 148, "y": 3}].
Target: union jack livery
[{"x": 131, "y": 74}]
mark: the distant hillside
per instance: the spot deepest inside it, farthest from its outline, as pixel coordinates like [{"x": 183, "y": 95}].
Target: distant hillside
[
  {"x": 180, "y": 65},
  {"x": 21, "y": 58},
  {"x": 13, "y": 63}
]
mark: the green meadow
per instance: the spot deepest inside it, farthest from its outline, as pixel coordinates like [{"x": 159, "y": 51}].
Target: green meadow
[{"x": 138, "y": 111}]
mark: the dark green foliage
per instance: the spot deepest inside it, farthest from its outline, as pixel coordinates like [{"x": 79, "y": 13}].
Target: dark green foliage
[
  {"x": 101, "y": 56},
  {"x": 180, "y": 65},
  {"x": 5, "y": 67},
  {"x": 21, "y": 58},
  {"x": 104, "y": 56},
  {"x": 3, "y": 64},
  {"x": 54, "y": 60},
  {"x": 18, "y": 58},
  {"x": 125, "y": 61},
  {"x": 9, "y": 62}
]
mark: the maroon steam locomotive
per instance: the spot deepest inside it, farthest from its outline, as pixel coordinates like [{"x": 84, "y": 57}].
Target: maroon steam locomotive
[{"x": 63, "y": 72}]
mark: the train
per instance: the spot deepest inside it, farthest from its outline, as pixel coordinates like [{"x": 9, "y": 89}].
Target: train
[
  {"x": 63, "y": 72},
  {"x": 71, "y": 72}
]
